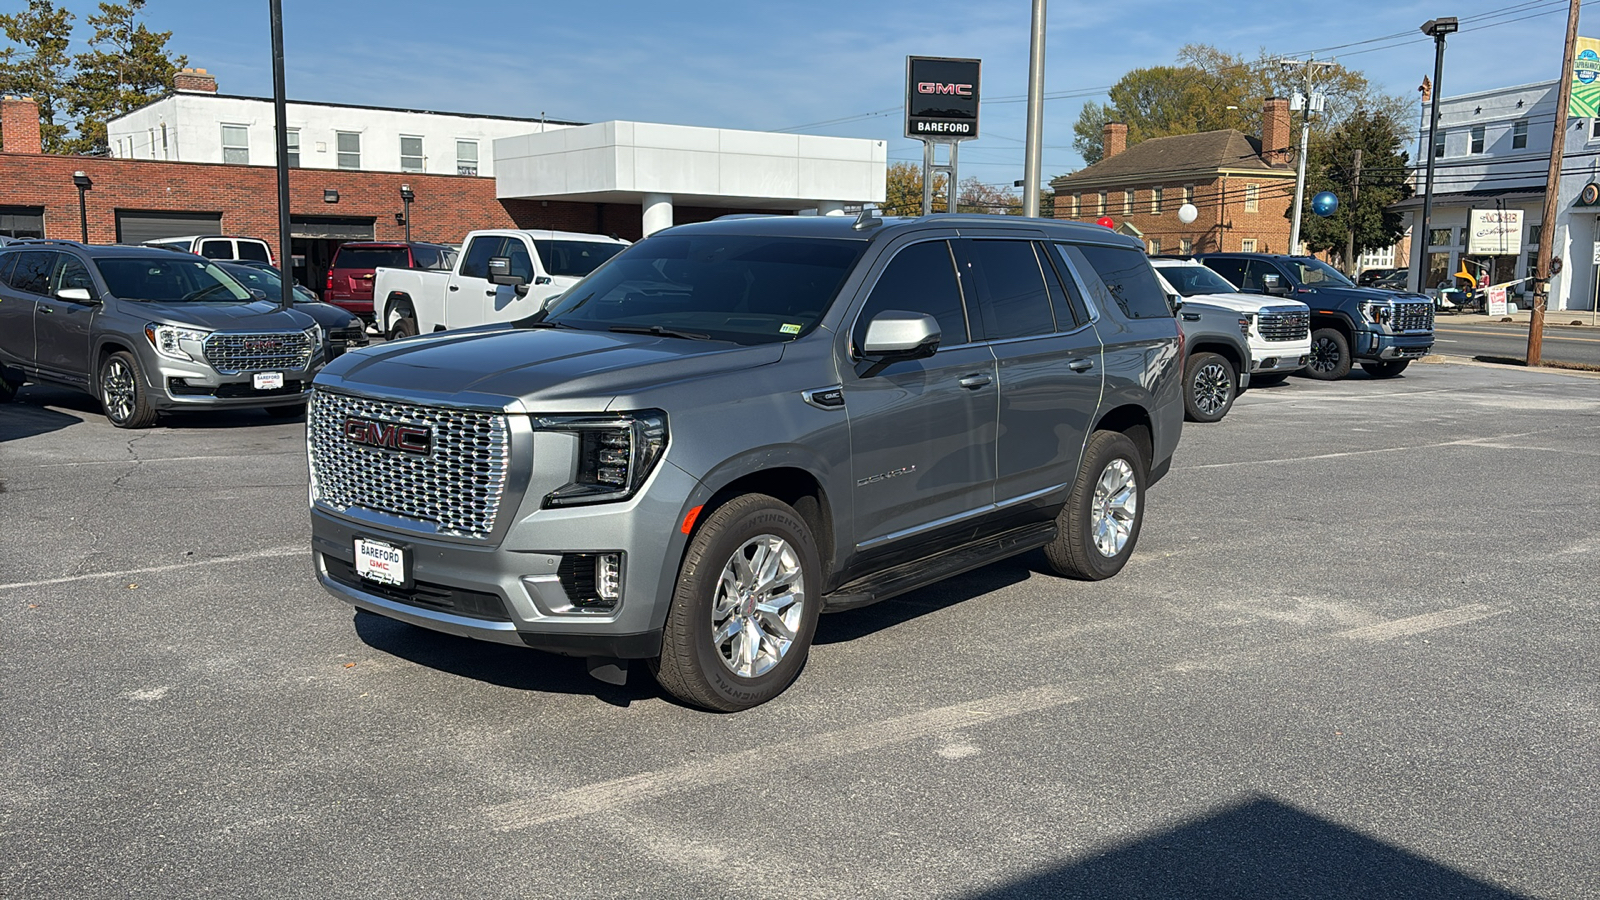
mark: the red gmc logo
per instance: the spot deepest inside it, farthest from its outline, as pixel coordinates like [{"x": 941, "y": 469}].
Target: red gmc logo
[
  {"x": 389, "y": 436},
  {"x": 934, "y": 87}
]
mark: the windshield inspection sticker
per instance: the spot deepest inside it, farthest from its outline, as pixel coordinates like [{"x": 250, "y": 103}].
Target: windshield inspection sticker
[{"x": 790, "y": 329}]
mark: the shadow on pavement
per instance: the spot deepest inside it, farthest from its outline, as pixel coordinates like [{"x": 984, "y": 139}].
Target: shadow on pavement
[
  {"x": 1262, "y": 849},
  {"x": 855, "y": 623},
  {"x": 39, "y": 398},
  {"x": 25, "y": 417}
]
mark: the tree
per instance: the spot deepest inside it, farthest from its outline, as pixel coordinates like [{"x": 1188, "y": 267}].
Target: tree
[
  {"x": 977, "y": 197},
  {"x": 904, "y": 190},
  {"x": 126, "y": 66},
  {"x": 39, "y": 68},
  {"x": 1330, "y": 167}
]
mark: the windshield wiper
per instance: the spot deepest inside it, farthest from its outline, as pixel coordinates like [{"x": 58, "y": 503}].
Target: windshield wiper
[
  {"x": 192, "y": 296},
  {"x": 661, "y": 331}
]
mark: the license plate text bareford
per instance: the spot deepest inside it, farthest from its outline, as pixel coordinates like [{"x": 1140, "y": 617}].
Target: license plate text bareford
[
  {"x": 380, "y": 562},
  {"x": 267, "y": 381}
]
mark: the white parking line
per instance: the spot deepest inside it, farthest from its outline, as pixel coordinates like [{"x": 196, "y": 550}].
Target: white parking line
[
  {"x": 243, "y": 557},
  {"x": 1418, "y": 624}
]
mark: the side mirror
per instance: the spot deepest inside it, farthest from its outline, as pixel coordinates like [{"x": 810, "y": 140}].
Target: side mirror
[
  {"x": 74, "y": 295},
  {"x": 500, "y": 272},
  {"x": 1175, "y": 301},
  {"x": 895, "y": 335},
  {"x": 1273, "y": 284},
  {"x": 257, "y": 293}
]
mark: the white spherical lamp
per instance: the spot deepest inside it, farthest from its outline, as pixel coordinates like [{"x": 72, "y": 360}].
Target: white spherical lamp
[{"x": 1187, "y": 213}]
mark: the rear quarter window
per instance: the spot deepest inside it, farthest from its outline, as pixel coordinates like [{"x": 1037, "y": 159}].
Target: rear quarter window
[
  {"x": 254, "y": 251},
  {"x": 1126, "y": 281}
]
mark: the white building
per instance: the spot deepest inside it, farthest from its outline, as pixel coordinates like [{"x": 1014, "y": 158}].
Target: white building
[{"x": 1492, "y": 152}]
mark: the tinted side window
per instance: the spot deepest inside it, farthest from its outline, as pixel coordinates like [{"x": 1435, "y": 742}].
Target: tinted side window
[
  {"x": 521, "y": 259},
  {"x": 1129, "y": 281},
  {"x": 1064, "y": 294},
  {"x": 7, "y": 262},
  {"x": 72, "y": 273},
  {"x": 921, "y": 278},
  {"x": 216, "y": 249},
  {"x": 476, "y": 265},
  {"x": 253, "y": 250},
  {"x": 33, "y": 271},
  {"x": 1013, "y": 300},
  {"x": 1231, "y": 269},
  {"x": 1255, "y": 277},
  {"x": 425, "y": 257}
]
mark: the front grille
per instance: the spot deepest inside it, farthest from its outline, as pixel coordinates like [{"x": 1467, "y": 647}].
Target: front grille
[
  {"x": 231, "y": 353},
  {"x": 456, "y": 487},
  {"x": 423, "y": 595},
  {"x": 1413, "y": 316},
  {"x": 1284, "y": 325}
]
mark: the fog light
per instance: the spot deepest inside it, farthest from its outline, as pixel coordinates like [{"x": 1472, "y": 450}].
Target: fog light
[{"x": 608, "y": 577}]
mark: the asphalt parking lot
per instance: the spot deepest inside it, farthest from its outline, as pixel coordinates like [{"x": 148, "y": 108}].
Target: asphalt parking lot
[{"x": 1355, "y": 655}]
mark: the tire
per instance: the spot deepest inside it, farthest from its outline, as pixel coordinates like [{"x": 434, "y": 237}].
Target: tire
[
  {"x": 1268, "y": 379},
  {"x": 729, "y": 675},
  {"x": 122, "y": 392},
  {"x": 285, "y": 412},
  {"x": 8, "y": 389},
  {"x": 405, "y": 324},
  {"x": 1210, "y": 385},
  {"x": 1109, "y": 491},
  {"x": 1385, "y": 369},
  {"x": 1330, "y": 355}
]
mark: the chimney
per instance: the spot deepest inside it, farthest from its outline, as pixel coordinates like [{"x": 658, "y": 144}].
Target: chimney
[
  {"x": 1275, "y": 131},
  {"x": 1114, "y": 139},
  {"x": 194, "y": 81},
  {"x": 19, "y": 125}
]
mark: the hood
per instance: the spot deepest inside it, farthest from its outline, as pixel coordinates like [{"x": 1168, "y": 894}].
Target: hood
[
  {"x": 539, "y": 367},
  {"x": 1375, "y": 295},
  {"x": 258, "y": 315},
  {"x": 1241, "y": 303}
]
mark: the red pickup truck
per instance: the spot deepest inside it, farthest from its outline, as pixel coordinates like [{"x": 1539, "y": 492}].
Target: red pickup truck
[{"x": 349, "y": 284}]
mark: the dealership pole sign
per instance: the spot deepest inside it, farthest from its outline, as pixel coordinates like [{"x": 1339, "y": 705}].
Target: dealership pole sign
[{"x": 941, "y": 108}]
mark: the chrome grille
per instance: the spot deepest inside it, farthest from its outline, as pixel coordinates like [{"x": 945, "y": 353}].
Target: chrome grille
[
  {"x": 231, "y": 353},
  {"x": 1284, "y": 325},
  {"x": 457, "y": 487},
  {"x": 1413, "y": 315}
]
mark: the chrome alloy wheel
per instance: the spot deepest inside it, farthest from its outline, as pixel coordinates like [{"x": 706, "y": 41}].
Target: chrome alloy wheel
[
  {"x": 1324, "y": 355},
  {"x": 1116, "y": 507},
  {"x": 1211, "y": 388},
  {"x": 117, "y": 390},
  {"x": 760, "y": 599}
]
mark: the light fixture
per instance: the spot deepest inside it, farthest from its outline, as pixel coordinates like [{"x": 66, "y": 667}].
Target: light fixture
[
  {"x": 1438, "y": 28},
  {"x": 406, "y": 196},
  {"x": 329, "y": 195},
  {"x": 406, "y": 193},
  {"x": 81, "y": 179}
]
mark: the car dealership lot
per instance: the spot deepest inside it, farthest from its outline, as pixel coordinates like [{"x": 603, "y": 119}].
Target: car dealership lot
[{"x": 1353, "y": 655}]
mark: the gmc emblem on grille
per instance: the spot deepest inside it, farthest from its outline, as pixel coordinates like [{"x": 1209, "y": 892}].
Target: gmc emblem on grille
[
  {"x": 389, "y": 436},
  {"x": 262, "y": 346}
]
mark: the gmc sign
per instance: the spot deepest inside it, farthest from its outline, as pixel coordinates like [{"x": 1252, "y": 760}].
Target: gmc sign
[
  {"x": 413, "y": 439},
  {"x": 942, "y": 98}
]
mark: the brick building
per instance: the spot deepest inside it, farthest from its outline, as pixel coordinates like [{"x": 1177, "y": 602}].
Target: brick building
[{"x": 1242, "y": 188}]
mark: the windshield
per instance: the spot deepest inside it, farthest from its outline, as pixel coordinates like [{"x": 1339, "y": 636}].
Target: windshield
[
  {"x": 575, "y": 259},
  {"x": 1192, "y": 280},
  {"x": 175, "y": 280},
  {"x": 741, "y": 288},
  {"x": 268, "y": 281},
  {"x": 1316, "y": 273}
]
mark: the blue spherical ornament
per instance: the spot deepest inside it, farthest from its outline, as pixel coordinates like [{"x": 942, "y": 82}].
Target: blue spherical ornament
[{"x": 1325, "y": 204}]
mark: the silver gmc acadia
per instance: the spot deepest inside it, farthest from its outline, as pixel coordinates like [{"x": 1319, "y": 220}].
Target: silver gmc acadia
[{"x": 734, "y": 426}]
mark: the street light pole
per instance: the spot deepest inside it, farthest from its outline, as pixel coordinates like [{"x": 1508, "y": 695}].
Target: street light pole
[
  {"x": 1436, "y": 29},
  {"x": 281, "y": 120},
  {"x": 1032, "y": 165},
  {"x": 1308, "y": 100},
  {"x": 83, "y": 184},
  {"x": 406, "y": 196}
]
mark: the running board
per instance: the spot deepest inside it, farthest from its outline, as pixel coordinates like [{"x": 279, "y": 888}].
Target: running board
[{"x": 923, "y": 572}]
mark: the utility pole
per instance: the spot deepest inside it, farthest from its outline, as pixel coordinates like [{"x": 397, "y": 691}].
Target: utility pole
[
  {"x": 1307, "y": 101},
  {"x": 1552, "y": 187},
  {"x": 281, "y": 122},
  {"x": 1032, "y": 166},
  {"x": 1350, "y": 242}
]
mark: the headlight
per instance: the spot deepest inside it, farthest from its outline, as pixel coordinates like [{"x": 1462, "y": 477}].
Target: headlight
[
  {"x": 169, "y": 341},
  {"x": 315, "y": 334},
  {"x": 1378, "y": 313},
  {"x": 615, "y": 454},
  {"x": 1244, "y": 324}
]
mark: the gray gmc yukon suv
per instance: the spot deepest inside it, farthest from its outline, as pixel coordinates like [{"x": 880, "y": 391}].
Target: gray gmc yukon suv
[{"x": 734, "y": 426}]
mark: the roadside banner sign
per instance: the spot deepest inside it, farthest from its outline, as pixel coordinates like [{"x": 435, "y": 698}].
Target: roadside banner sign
[
  {"x": 1497, "y": 301},
  {"x": 1494, "y": 232},
  {"x": 1585, "y": 75}
]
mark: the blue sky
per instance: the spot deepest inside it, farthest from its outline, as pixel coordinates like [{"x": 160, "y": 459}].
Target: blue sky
[{"x": 779, "y": 64}]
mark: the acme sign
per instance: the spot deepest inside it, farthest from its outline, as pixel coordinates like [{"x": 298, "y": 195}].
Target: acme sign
[
  {"x": 415, "y": 439},
  {"x": 942, "y": 98}
]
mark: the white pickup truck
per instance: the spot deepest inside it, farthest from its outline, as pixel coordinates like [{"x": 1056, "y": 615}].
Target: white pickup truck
[{"x": 416, "y": 301}]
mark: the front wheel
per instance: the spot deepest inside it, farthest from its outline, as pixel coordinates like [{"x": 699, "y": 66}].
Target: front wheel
[
  {"x": 745, "y": 607},
  {"x": 405, "y": 325},
  {"x": 1330, "y": 355},
  {"x": 1385, "y": 369},
  {"x": 123, "y": 395},
  {"x": 1097, "y": 530},
  {"x": 1208, "y": 387}
]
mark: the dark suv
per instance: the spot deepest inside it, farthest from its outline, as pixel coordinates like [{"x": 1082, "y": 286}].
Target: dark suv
[
  {"x": 349, "y": 285},
  {"x": 148, "y": 329},
  {"x": 1382, "y": 330},
  {"x": 733, "y": 426}
]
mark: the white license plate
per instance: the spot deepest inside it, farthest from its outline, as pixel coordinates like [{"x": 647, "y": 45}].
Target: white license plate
[
  {"x": 380, "y": 562},
  {"x": 267, "y": 381}
]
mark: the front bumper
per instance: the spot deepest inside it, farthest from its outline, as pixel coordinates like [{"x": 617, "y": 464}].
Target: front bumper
[
  {"x": 1388, "y": 347},
  {"x": 1279, "y": 356},
  {"x": 179, "y": 384}
]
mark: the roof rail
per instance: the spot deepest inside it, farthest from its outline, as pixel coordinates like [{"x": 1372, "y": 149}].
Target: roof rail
[
  {"x": 744, "y": 216},
  {"x": 49, "y": 241}
]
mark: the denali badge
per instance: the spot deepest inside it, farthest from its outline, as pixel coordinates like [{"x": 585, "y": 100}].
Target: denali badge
[{"x": 415, "y": 439}]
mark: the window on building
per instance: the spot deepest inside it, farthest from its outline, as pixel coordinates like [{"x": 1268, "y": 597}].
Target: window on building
[
  {"x": 1155, "y": 201},
  {"x": 152, "y": 143},
  {"x": 236, "y": 144},
  {"x": 410, "y": 153},
  {"x": 1438, "y": 237},
  {"x": 1438, "y": 143},
  {"x": 1252, "y": 198},
  {"x": 1594, "y": 128},
  {"x": 1077, "y": 205},
  {"x": 1534, "y": 232},
  {"x": 1519, "y": 135},
  {"x": 466, "y": 157},
  {"x": 1464, "y": 232},
  {"x": 1155, "y": 246},
  {"x": 164, "y": 141},
  {"x": 1186, "y": 246},
  {"x": 1476, "y": 146},
  {"x": 1127, "y": 203},
  {"x": 291, "y": 140},
  {"x": 22, "y": 221},
  {"x": 349, "y": 148},
  {"x": 1438, "y": 271},
  {"x": 1248, "y": 245},
  {"x": 1188, "y": 193},
  {"x": 1101, "y": 209}
]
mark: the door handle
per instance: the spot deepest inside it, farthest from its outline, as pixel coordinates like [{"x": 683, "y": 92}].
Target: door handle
[
  {"x": 489, "y": 293},
  {"x": 973, "y": 382},
  {"x": 1081, "y": 365},
  {"x": 455, "y": 287},
  {"x": 47, "y": 310}
]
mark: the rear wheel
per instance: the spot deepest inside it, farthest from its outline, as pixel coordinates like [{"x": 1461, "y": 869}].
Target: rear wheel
[
  {"x": 1385, "y": 369},
  {"x": 404, "y": 324},
  {"x": 745, "y": 607},
  {"x": 1099, "y": 526},
  {"x": 1209, "y": 387},
  {"x": 122, "y": 392},
  {"x": 1330, "y": 355}
]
